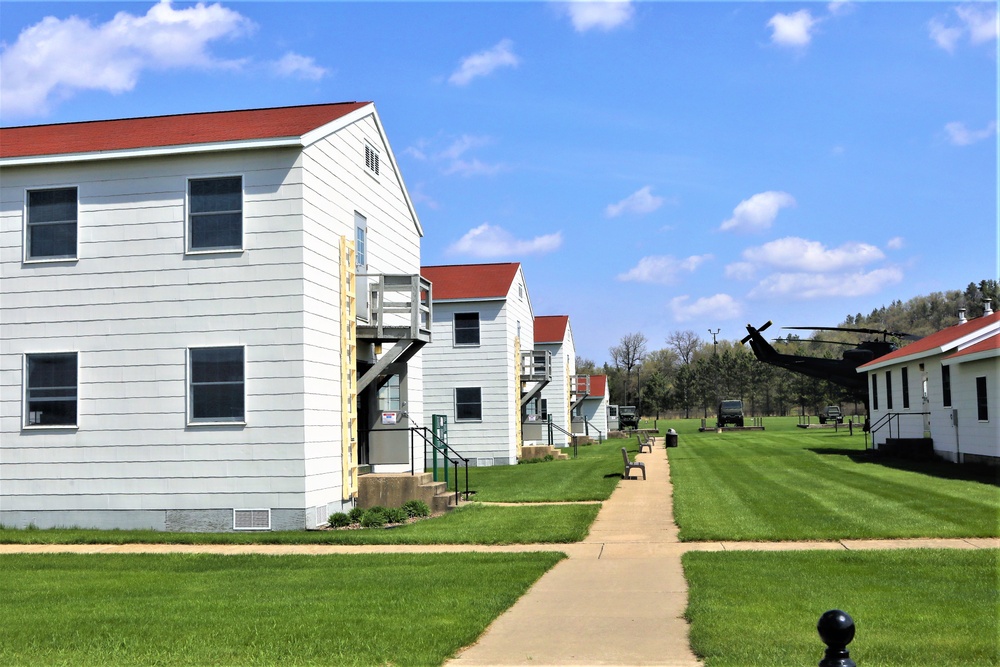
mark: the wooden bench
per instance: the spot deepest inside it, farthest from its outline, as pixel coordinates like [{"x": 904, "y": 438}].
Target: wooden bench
[
  {"x": 643, "y": 440},
  {"x": 629, "y": 465}
]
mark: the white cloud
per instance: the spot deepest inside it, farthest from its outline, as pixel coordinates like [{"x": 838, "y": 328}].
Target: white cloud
[
  {"x": 719, "y": 307},
  {"x": 895, "y": 243},
  {"x": 960, "y": 135},
  {"x": 487, "y": 241},
  {"x": 978, "y": 22},
  {"x": 741, "y": 271},
  {"x": 56, "y": 58},
  {"x": 806, "y": 286},
  {"x": 799, "y": 254},
  {"x": 303, "y": 67},
  {"x": 662, "y": 269},
  {"x": 840, "y": 7},
  {"x": 484, "y": 63},
  {"x": 758, "y": 212},
  {"x": 792, "y": 29},
  {"x": 451, "y": 158},
  {"x": 588, "y": 15},
  {"x": 640, "y": 202}
]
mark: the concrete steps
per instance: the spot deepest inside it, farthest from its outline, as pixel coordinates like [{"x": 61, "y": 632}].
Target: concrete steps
[
  {"x": 395, "y": 489},
  {"x": 529, "y": 452}
]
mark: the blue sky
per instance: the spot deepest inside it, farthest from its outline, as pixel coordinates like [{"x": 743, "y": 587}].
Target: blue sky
[{"x": 655, "y": 166}]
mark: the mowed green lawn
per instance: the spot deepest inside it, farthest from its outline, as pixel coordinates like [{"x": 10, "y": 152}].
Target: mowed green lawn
[
  {"x": 69, "y": 609},
  {"x": 911, "y": 607},
  {"x": 787, "y": 483}
]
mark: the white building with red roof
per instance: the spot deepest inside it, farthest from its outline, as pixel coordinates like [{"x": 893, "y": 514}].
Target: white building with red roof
[
  {"x": 554, "y": 334},
  {"x": 944, "y": 388},
  {"x": 480, "y": 370},
  {"x": 593, "y": 403},
  {"x": 193, "y": 308}
]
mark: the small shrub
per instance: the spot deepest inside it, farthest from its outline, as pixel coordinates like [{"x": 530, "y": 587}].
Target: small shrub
[
  {"x": 416, "y": 508},
  {"x": 339, "y": 520},
  {"x": 397, "y": 515},
  {"x": 355, "y": 514},
  {"x": 549, "y": 457},
  {"x": 374, "y": 517}
]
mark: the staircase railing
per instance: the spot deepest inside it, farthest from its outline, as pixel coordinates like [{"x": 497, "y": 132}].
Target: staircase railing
[
  {"x": 441, "y": 447},
  {"x": 586, "y": 430},
  {"x": 887, "y": 420},
  {"x": 555, "y": 427}
]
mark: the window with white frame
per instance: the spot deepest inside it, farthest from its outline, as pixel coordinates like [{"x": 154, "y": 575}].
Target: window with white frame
[
  {"x": 51, "y": 223},
  {"x": 388, "y": 395},
  {"x": 50, "y": 389},
  {"x": 215, "y": 213},
  {"x": 466, "y": 328},
  {"x": 888, "y": 390},
  {"x": 216, "y": 384},
  {"x": 982, "y": 400},
  {"x": 360, "y": 240},
  {"x": 946, "y": 386},
  {"x": 905, "y": 379},
  {"x": 468, "y": 404},
  {"x": 874, "y": 391}
]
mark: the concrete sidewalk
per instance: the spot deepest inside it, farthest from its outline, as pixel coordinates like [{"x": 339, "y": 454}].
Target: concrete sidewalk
[{"x": 618, "y": 603}]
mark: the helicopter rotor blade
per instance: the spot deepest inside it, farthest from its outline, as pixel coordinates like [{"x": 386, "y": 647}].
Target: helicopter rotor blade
[{"x": 861, "y": 330}]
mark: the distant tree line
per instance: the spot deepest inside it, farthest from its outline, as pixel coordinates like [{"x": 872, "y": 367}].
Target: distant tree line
[{"x": 689, "y": 376}]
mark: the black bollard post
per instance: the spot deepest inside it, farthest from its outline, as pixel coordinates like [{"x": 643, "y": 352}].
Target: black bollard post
[{"x": 836, "y": 629}]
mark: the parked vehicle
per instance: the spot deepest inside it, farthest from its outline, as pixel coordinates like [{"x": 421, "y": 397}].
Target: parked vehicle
[
  {"x": 831, "y": 414},
  {"x": 628, "y": 416},
  {"x": 730, "y": 413}
]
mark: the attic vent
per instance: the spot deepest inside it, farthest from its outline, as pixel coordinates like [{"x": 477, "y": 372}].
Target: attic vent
[
  {"x": 251, "y": 519},
  {"x": 371, "y": 159}
]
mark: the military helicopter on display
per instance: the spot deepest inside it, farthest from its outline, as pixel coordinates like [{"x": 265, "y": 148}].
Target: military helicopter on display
[{"x": 841, "y": 371}]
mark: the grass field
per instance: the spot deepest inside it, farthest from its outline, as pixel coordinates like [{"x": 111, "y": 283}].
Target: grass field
[
  {"x": 912, "y": 608},
  {"x": 200, "y": 610},
  {"x": 593, "y": 475},
  {"x": 468, "y": 524},
  {"x": 786, "y": 483}
]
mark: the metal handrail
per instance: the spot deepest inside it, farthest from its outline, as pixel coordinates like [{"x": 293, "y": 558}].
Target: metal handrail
[
  {"x": 559, "y": 428},
  {"x": 588, "y": 425},
  {"x": 423, "y": 431},
  {"x": 886, "y": 420}
]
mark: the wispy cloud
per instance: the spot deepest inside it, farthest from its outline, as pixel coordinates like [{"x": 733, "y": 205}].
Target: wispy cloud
[
  {"x": 807, "y": 286},
  {"x": 293, "y": 65},
  {"x": 640, "y": 202},
  {"x": 57, "y": 58},
  {"x": 895, "y": 243},
  {"x": 795, "y": 29},
  {"x": 799, "y": 254},
  {"x": 719, "y": 307},
  {"x": 452, "y": 157},
  {"x": 662, "y": 269},
  {"x": 758, "y": 212},
  {"x": 977, "y": 22},
  {"x": 960, "y": 135},
  {"x": 485, "y": 63},
  {"x": 486, "y": 241},
  {"x": 741, "y": 271},
  {"x": 590, "y": 15}
]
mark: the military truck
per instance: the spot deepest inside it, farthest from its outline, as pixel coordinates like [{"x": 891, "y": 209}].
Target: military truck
[
  {"x": 628, "y": 416},
  {"x": 832, "y": 414},
  {"x": 730, "y": 413}
]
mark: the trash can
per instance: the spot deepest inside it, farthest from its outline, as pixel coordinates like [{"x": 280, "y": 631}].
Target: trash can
[{"x": 671, "y": 438}]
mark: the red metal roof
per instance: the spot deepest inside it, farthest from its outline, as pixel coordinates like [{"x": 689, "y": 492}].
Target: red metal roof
[
  {"x": 936, "y": 340},
  {"x": 160, "y": 131},
  {"x": 598, "y": 385},
  {"x": 550, "y": 328},
  {"x": 471, "y": 281},
  {"x": 987, "y": 345}
]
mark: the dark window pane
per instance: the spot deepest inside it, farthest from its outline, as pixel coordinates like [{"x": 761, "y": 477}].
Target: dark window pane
[
  {"x": 52, "y": 205},
  {"x": 874, "y": 392},
  {"x": 211, "y": 195},
  {"x": 946, "y": 386},
  {"x": 217, "y": 384},
  {"x": 981, "y": 399},
  {"x": 216, "y": 213},
  {"x": 467, "y": 328},
  {"x": 217, "y": 230},
  {"x": 906, "y": 387},
  {"x": 52, "y": 223},
  {"x": 468, "y": 403},
  {"x": 52, "y": 390},
  {"x": 888, "y": 390}
]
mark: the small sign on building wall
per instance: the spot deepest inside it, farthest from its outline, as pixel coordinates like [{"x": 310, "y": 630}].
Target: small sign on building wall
[{"x": 390, "y": 418}]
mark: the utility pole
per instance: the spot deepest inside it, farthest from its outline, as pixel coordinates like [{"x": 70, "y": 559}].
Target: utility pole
[{"x": 715, "y": 359}]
